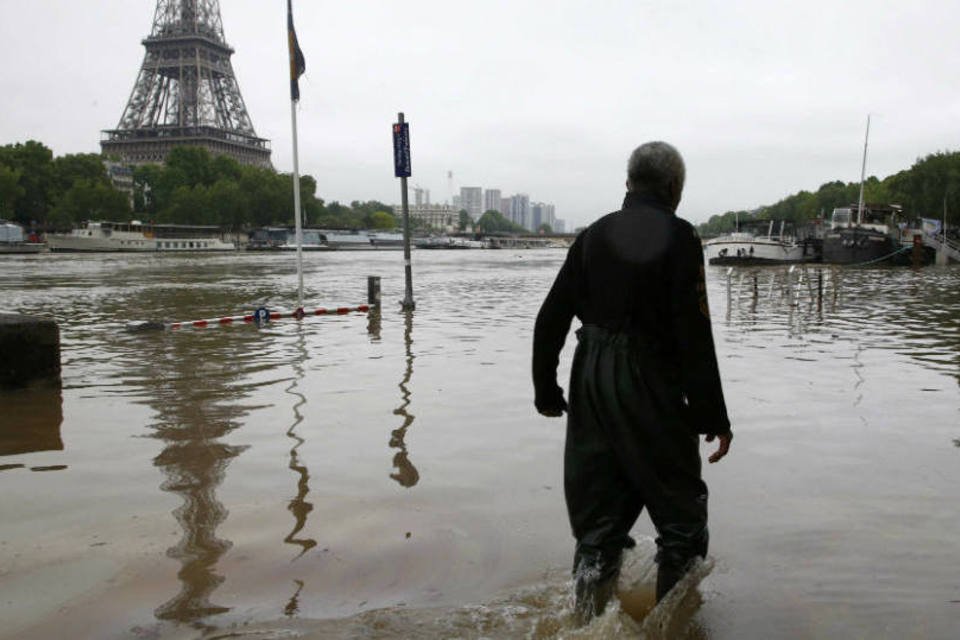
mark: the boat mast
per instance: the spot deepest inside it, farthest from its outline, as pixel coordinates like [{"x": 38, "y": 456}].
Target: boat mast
[{"x": 863, "y": 173}]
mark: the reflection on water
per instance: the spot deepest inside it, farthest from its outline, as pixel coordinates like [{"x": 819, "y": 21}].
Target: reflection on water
[
  {"x": 405, "y": 473},
  {"x": 292, "y": 607},
  {"x": 852, "y": 395},
  {"x": 31, "y": 420},
  {"x": 194, "y": 411},
  {"x": 914, "y": 312},
  {"x": 299, "y": 506}
]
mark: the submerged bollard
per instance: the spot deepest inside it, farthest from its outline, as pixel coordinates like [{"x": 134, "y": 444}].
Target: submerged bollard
[
  {"x": 29, "y": 350},
  {"x": 373, "y": 291}
]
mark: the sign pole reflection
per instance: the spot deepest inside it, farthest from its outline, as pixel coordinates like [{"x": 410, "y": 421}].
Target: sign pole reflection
[{"x": 405, "y": 473}]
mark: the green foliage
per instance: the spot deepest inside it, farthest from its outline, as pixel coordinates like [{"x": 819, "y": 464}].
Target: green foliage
[
  {"x": 193, "y": 187},
  {"x": 56, "y": 192},
  {"x": 494, "y": 222},
  {"x": 382, "y": 220},
  {"x": 70, "y": 168},
  {"x": 921, "y": 190},
  {"x": 464, "y": 220},
  {"x": 34, "y": 161},
  {"x": 89, "y": 199},
  {"x": 545, "y": 229},
  {"x": 10, "y": 190}
]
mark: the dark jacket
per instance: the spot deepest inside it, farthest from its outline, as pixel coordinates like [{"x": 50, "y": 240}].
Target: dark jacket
[{"x": 638, "y": 271}]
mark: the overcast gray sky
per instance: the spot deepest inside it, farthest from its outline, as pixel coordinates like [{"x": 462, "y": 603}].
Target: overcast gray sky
[{"x": 763, "y": 98}]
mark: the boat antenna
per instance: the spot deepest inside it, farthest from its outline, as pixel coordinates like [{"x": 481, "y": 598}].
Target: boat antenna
[{"x": 863, "y": 174}]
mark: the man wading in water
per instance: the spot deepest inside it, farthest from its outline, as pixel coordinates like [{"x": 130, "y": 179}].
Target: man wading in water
[{"x": 644, "y": 381}]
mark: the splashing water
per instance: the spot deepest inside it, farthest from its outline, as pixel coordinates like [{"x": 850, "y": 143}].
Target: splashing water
[{"x": 544, "y": 611}]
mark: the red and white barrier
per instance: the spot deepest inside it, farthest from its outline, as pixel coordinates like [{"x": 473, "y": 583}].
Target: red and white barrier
[{"x": 250, "y": 318}]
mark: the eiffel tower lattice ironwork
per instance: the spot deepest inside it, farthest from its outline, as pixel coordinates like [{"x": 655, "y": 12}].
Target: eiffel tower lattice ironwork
[{"x": 186, "y": 93}]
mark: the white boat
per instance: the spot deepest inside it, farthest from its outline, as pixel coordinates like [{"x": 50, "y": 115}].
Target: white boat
[
  {"x": 446, "y": 242},
  {"x": 12, "y": 240},
  {"x": 362, "y": 240},
  {"x": 139, "y": 237},
  {"x": 285, "y": 239},
  {"x": 754, "y": 245}
]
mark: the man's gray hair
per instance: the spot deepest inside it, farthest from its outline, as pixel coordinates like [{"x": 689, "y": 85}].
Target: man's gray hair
[{"x": 656, "y": 167}]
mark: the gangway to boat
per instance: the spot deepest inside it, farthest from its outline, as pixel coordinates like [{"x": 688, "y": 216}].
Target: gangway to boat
[{"x": 947, "y": 250}]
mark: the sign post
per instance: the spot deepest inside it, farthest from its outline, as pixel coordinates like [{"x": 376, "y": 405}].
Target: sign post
[{"x": 402, "y": 169}]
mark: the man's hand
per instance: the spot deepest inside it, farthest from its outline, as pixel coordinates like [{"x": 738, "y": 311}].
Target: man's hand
[
  {"x": 725, "y": 439},
  {"x": 551, "y": 405}
]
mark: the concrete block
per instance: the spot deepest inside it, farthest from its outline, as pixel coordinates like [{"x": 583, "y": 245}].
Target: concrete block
[{"x": 29, "y": 350}]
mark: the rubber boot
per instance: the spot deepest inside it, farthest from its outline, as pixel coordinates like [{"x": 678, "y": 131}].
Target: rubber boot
[
  {"x": 592, "y": 597},
  {"x": 669, "y": 574}
]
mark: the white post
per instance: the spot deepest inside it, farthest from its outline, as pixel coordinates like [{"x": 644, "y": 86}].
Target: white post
[{"x": 296, "y": 204}]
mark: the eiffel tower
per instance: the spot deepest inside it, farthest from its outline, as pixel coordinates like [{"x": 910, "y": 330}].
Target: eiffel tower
[{"x": 187, "y": 93}]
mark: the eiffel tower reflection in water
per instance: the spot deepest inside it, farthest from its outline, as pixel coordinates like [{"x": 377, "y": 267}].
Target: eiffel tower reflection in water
[{"x": 195, "y": 410}]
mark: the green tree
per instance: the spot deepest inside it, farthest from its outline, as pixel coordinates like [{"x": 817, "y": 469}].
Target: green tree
[
  {"x": 34, "y": 161},
  {"x": 79, "y": 166},
  {"x": 382, "y": 220},
  {"x": 494, "y": 222},
  {"x": 464, "y": 220},
  {"x": 89, "y": 200},
  {"x": 227, "y": 205},
  {"x": 545, "y": 229},
  {"x": 10, "y": 191},
  {"x": 188, "y": 205}
]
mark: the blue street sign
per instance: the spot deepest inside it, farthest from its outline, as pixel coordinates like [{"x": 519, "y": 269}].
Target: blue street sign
[{"x": 402, "y": 167}]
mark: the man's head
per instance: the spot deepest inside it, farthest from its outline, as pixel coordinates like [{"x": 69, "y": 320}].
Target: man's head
[{"x": 657, "y": 168}]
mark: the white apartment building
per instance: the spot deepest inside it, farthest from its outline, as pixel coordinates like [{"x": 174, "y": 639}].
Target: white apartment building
[
  {"x": 491, "y": 200},
  {"x": 442, "y": 217},
  {"x": 520, "y": 210},
  {"x": 471, "y": 199}
]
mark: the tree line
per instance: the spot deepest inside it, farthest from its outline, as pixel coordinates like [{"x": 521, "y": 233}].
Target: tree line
[
  {"x": 40, "y": 191},
  {"x": 192, "y": 187},
  {"x": 45, "y": 192},
  {"x": 921, "y": 190}
]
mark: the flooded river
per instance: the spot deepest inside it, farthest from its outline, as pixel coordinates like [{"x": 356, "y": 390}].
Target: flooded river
[{"x": 388, "y": 477}]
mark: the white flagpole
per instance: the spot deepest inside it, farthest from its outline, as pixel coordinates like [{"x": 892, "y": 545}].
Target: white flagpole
[{"x": 296, "y": 204}]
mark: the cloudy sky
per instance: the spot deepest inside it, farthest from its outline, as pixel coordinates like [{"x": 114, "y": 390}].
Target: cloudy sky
[{"x": 763, "y": 98}]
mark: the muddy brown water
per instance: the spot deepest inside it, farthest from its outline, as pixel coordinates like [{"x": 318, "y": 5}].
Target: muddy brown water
[{"x": 387, "y": 477}]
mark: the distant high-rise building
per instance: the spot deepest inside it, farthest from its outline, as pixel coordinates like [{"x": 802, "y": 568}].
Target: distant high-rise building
[
  {"x": 559, "y": 226},
  {"x": 456, "y": 203},
  {"x": 520, "y": 210},
  {"x": 505, "y": 207},
  {"x": 471, "y": 199},
  {"x": 418, "y": 196},
  {"x": 550, "y": 214},
  {"x": 491, "y": 200},
  {"x": 537, "y": 217}
]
